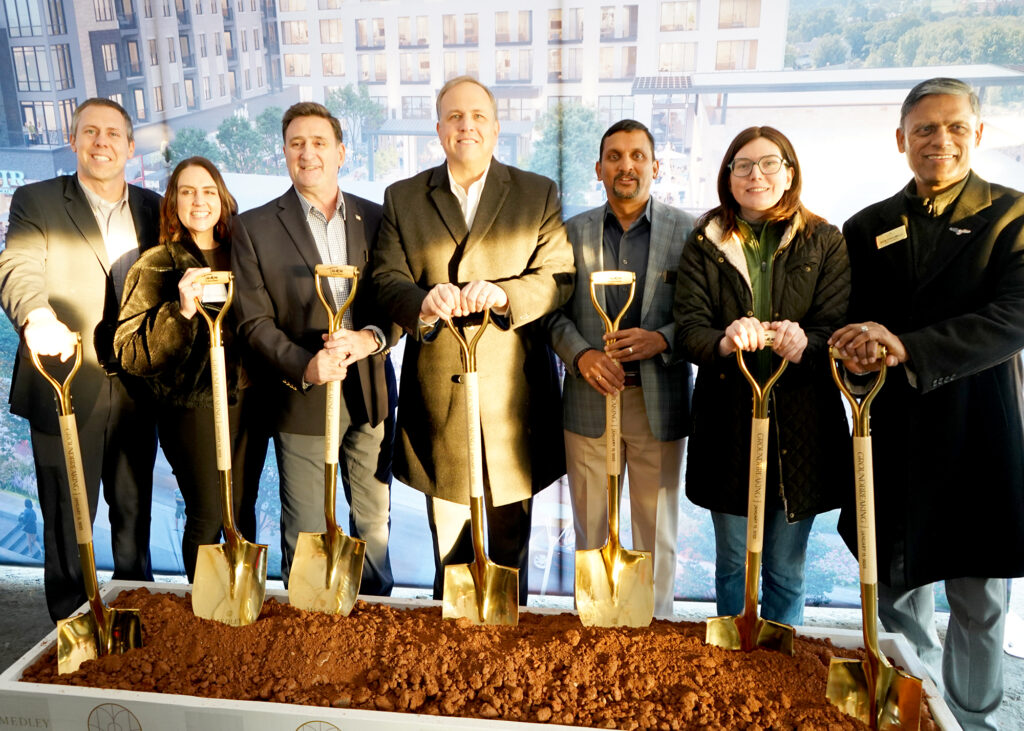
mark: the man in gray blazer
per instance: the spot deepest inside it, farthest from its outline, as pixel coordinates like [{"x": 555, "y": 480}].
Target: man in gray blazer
[
  {"x": 70, "y": 243},
  {"x": 467, "y": 236},
  {"x": 274, "y": 252},
  {"x": 631, "y": 232}
]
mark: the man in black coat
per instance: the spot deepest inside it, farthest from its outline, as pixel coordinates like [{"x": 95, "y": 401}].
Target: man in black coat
[
  {"x": 275, "y": 250},
  {"x": 938, "y": 279},
  {"x": 70, "y": 244}
]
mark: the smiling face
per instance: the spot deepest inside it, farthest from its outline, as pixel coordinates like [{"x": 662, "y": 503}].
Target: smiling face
[
  {"x": 758, "y": 193},
  {"x": 468, "y": 130},
  {"x": 627, "y": 166},
  {"x": 199, "y": 204},
  {"x": 313, "y": 155},
  {"x": 102, "y": 146},
  {"x": 938, "y": 135}
]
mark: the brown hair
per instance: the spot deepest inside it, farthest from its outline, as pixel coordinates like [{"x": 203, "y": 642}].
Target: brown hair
[
  {"x": 98, "y": 101},
  {"x": 309, "y": 109},
  {"x": 728, "y": 209},
  {"x": 171, "y": 227}
]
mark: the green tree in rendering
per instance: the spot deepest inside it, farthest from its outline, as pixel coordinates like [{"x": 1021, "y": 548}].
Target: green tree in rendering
[
  {"x": 567, "y": 150},
  {"x": 358, "y": 114},
  {"x": 242, "y": 146},
  {"x": 268, "y": 124},
  {"x": 191, "y": 141}
]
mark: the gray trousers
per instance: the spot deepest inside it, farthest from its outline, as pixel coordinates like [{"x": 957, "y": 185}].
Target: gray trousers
[
  {"x": 300, "y": 462},
  {"x": 969, "y": 668}
]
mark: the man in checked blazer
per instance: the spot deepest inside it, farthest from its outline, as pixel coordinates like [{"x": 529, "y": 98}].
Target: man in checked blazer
[{"x": 632, "y": 232}]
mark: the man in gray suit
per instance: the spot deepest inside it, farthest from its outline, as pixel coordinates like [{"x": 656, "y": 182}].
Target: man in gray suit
[
  {"x": 467, "y": 236},
  {"x": 631, "y": 232},
  {"x": 70, "y": 244},
  {"x": 274, "y": 252}
]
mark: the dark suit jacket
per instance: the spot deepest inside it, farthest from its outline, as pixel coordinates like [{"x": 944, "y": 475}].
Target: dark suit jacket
[
  {"x": 55, "y": 257},
  {"x": 948, "y": 454},
  {"x": 518, "y": 242},
  {"x": 273, "y": 256}
]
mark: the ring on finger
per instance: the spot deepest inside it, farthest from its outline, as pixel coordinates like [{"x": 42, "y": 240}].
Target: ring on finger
[{"x": 863, "y": 328}]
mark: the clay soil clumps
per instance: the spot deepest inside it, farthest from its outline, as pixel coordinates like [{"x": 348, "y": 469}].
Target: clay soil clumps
[{"x": 549, "y": 669}]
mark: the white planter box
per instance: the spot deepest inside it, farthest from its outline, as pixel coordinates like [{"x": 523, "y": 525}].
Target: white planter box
[{"x": 66, "y": 708}]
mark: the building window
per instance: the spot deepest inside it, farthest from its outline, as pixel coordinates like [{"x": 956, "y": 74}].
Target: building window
[
  {"x": 202, "y": 45},
  {"x": 147, "y": 8},
  {"x": 415, "y": 67},
  {"x": 471, "y": 33},
  {"x": 739, "y": 14},
  {"x": 736, "y": 55},
  {"x": 186, "y": 51},
  {"x": 221, "y": 85},
  {"x": 563, "y": 101},
  {"x": 611, "y": 109},
  {"x": 513, "y": 65},
  {"x": 103, "y": 10},
  {"x": 134, "y": 59},
  {"x": 55, "y": 11},
  {"x": 409, "y": 36},
  {"x": 515, "y": 110},
  {"x": 288, "y": 6},
  {"x": 370, "y": 33},
  {"x": 565, "y": 64},
  {"x": 259, "y": 76},
  {"x": 619, "y": 26},
  {"x": 63, "y": 67},
  {"x": 216, "y": 44},
  {"x": 565, "y": 25},
  {"x": 248, "y": 80},
  {"x": 245, "y": 41},
  {"x": 296, "y": 64},
  {"x": 449, "y": 30},
  {"x": 23, "y": 18},
  {"x": 677, "y": 57},
  {"x": 140, "y": 104},
  {"x": 229, "y": 45},
  {"x": 473, "y": 63},
  {"x": 372, "y": 67},
  {"x": 333, "y": 64},
  {"x": 331, "y": 31},
  {"x": 167, "y": 8},
  {"x": 297, "y": 31},
  {"x": 256, "y": 39},
  {"x": 40, "y": 123},
  {"x": 190, "y": 93},
  {"x": 109, "y": 51},
  {"x": 451, "y": 65},
  {"x": 207, "y": 90},
  {"x": 172, "y": 50},
  {"x": 158, "y": 98},
  {"x": 30, "y": 68},
  {"x": 513, "y": 27},
  {"x": 417, "y": 107},
  {"x": 679, "y": 15},
  {"x": 154, "y": 54},
  {"x": 177, "y": 94}
]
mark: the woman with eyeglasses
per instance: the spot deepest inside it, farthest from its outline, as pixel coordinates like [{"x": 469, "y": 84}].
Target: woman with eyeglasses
[
  {"x": 161, "y": 337},
  {"x": 761, "y": 261}
]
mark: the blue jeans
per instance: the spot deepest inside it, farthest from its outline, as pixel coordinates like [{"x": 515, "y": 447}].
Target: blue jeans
[{"x": 782, "y": 565}]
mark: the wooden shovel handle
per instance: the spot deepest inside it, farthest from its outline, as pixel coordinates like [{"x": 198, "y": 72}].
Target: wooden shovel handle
[{"x": 758, "y": 480}]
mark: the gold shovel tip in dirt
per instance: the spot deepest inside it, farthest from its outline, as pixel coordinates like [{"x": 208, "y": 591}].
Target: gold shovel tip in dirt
[
  {"x": 79, "y": 637},
  {"x": 230, "y": 591},
  {"x": 322, "y": 580},
  {"x": 614, "y": 588},
  {"x": 899, "y": 695},
  {"x": 491, "y": 599}
]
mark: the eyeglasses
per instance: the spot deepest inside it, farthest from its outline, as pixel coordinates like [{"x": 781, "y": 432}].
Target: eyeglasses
[{"x": 741, "y": 167}]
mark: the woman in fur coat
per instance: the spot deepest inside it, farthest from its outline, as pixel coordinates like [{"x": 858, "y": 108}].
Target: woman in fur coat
[{"x": 161, "y": 337}]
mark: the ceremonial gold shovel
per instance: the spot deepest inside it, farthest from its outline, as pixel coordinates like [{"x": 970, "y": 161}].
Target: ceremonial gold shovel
[
  {"x": 614, "y": 586},
  {"x": 482, "y": 591},
  {"x": 327, "y": 567},
  {"x": 102, "y": 630},
  {"x": 748, "y": 631},
  {"x": 870, "y": 690},
  {"x": 231, "y": 578}
]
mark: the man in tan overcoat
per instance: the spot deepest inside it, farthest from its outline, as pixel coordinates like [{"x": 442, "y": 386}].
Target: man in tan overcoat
[{"x": 467, "y": 236}]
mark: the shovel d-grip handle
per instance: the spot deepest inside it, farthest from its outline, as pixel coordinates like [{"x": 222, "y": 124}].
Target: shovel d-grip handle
[
  {"x": 613, "y": 403},
  {"x": 69, "y": 438},
  {"x": 863, "y": 472},
  {"x": 332, "y": 430}
]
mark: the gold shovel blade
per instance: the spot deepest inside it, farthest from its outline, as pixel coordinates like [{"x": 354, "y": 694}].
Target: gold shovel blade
[
  {"x": 322, "y": 580},
  {"x": 230, "y": 590},
  {"x": 494, "y": 600},
  {"x": 79, "y": 637},
  {"x": 848, "y": 688},
  {"x": 735, "y": 632},
  {"x": 614, "y": 588}
]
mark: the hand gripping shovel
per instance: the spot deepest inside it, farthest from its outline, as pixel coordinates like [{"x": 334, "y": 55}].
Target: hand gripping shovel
[
  {"x": 231, "y": 577},
  {"x": 870, "y": 690},
  {"x": 327, "y": 567},
  {"x": 482, "y": 591},
  {"x": 614, "y": 587},
  {"x": 101, "y": 631},
  {"x": 748, "y": 631}
]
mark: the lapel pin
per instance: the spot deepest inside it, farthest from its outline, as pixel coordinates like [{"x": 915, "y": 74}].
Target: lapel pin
[{"x": 959, "y": 231}]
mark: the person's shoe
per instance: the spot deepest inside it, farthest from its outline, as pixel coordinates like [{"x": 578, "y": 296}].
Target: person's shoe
[{"x": 1013, "y": 635}]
